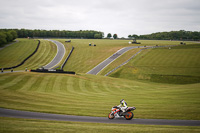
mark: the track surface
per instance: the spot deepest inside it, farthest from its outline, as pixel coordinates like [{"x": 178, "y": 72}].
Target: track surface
[
  {"x": 60, "y": 54},
  {"x": 58, "y": 117},
  {"x": 110, "y": 59}
]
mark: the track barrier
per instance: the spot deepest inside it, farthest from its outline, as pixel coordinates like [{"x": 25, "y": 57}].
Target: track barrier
[
  {"x": 7, "y": 68},
  {"x": 67, "y": 58},
  {"x": 52, "y": 71}
]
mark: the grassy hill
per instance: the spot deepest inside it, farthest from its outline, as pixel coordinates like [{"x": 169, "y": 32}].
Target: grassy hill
[
  {"x": 16, "y": 53},
  {"x": 94, "y": 95},
  {"x": 86, "y": 57},
  {"x": 42, "y": 57},
  {"x": 176, "y": 65},
  {"x": 91, "y": 95}
]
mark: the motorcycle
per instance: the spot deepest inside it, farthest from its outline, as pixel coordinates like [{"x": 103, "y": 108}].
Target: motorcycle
[{"x": 117, "y": 112}]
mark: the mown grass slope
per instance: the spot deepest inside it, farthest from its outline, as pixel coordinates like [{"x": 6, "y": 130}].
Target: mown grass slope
[
  {"x": 91, "y": 95},
  {"x": 176, "y": 65},
  {"x": 17, "y": 52},
  {"x": 32, "y": 126},
  {"x": 119, "y": 61},
  {"x": 86, "y": 57},
  {"x": 45, "y": 54}
]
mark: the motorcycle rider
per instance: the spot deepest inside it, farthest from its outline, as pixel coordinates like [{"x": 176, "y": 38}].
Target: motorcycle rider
[{"x": 123, "y": 105}]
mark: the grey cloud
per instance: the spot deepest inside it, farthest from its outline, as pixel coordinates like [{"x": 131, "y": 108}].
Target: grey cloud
[{"x": 115, "y": 16}]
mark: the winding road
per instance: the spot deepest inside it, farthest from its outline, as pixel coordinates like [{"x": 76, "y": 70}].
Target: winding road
[
  {"x": 59, "y": 56},
  {"x": 59, "y": 117},
  {"x": 110, "y": 59}
]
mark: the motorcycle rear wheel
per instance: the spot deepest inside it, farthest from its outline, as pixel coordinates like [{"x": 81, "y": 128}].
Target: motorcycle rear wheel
[
  {"x": 129, "y": 116},
  {"x": 111, "y": 115}
]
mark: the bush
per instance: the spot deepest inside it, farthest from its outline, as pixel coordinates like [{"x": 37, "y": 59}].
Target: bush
[
  {"x": 14, "y": 34},
  {"x": 7, "y": 36},
  {"x": 2, "y": 38},
  {"x": 97, "y": 36}
]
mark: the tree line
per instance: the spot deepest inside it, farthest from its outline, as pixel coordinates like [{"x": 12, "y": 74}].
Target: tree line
[
  {"x": 7, "y": 36},
  {"x": 110, "y": 35},
  {"x": 86, "y": 34},
  {"x": 172, "y": 35}
]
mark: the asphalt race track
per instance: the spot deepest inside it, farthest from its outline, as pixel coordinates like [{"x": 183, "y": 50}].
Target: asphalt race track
[
  {"x": 60, "y": 54},
  {"x": 58, "y": 117},
  {"x": 110, "y": 59}
]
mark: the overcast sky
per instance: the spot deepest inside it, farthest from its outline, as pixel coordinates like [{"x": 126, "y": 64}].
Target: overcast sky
[{"x": 123, "y": 17}]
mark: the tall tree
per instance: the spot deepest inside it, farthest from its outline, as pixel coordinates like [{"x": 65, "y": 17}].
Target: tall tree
[
  {"x": 115, "y": 36},
  {"x": 9, "y": 36},
  {"x": 2, "y": 38},
  {"x": 14, "y": 34},
  {"x": 135, "y": 36},
  {"x": 129, "y": 36},
  {"x": 109, "y": 35}
]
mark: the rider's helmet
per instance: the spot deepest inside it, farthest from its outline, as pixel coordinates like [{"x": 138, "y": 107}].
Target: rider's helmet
[{"x": 121, "y": 101}]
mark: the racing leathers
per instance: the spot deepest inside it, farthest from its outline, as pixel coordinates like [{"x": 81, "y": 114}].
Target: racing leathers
[{"x": 123, "y": 106}]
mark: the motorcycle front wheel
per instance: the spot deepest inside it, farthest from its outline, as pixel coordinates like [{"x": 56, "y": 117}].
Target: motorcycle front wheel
[
  {"x": 111, "y": 115},
  {"x": 129, "y": 116}
]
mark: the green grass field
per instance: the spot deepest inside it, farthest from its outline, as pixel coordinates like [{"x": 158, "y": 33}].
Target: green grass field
[
  {"x": 42, "y": 57},
  {"x": 86, "y": 57},
  {"x": 17, "y": 52},
  {"x": 176, "y": 65},
  {"x": 92, "y": 95},
  {"x": 32, "y": 126},
  {"x": 119, "y": 61}
]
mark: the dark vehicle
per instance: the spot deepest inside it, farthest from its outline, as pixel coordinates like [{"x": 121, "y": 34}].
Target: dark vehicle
[{"x": 68, "y": 41}]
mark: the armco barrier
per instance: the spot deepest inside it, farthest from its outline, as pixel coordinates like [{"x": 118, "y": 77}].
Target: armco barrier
[
  {"x": 52, "y": 71},
  {"x": 67, "y": 58},
  {"x": 24, "y": 59}
]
